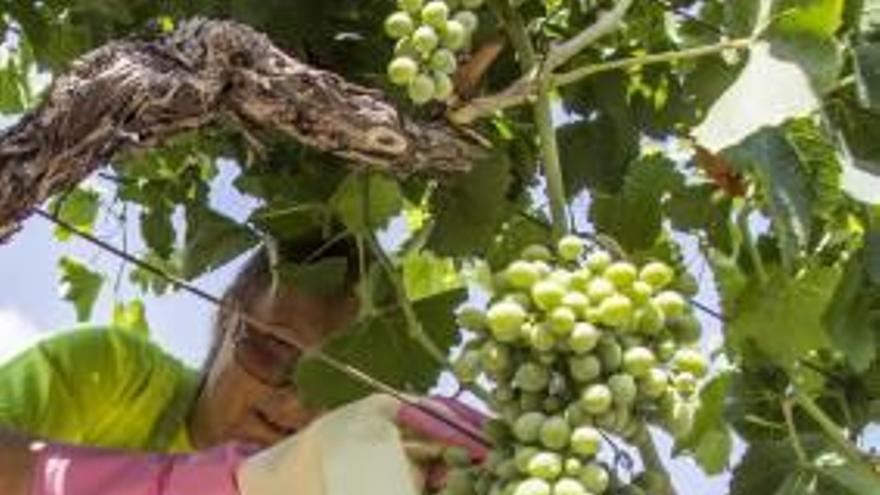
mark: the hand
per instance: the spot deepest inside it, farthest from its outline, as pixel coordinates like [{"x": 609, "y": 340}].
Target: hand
[{"x": 433, "y": 435}]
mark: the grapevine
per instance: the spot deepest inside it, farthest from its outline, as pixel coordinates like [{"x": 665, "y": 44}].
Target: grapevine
[{"x": 574, "y": 346}]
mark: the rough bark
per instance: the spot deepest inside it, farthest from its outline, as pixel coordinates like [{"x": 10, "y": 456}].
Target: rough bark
[{"x": 135, "y": 94}]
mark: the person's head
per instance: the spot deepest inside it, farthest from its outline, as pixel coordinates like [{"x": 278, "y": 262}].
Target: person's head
[{"x": 246, "y": 393}]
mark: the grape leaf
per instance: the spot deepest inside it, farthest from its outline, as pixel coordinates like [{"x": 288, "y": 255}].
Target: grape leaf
[
  {"x": 79, "y": 285},
  {"x": 855, "y": 479},
  {"x": 771, "y": 466},
  {"x": 783, "y": 318},
  {"x": 851, "y": 318},
  {"x": 425, "y": 275},
  {"x": 323, "y": 277},
  {"x": 408, "y": 366},
  {"x": 467, "y": 214},
  {"x": 776, "y": 165},
  {"x": 710, "y": 439},
  {"x": 385, "y": 201},
  {"x": 212, "y": 239},
  {"x": 131, "y": 318},
  {"x": 157, "y": 229},
  {"x": 78, "y": 207},
  {"x": 520, "y": 231},
  {"x": 820, "y": 163},
  {"x": 634, "y": 216}
]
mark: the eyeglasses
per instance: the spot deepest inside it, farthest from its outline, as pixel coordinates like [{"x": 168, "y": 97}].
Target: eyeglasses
[{"x": 265, "y": 357}]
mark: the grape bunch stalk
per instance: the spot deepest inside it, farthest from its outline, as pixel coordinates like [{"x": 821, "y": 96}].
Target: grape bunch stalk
[
  {"x": 575, "y": 347},
  {"x": 429, "y": 38}
]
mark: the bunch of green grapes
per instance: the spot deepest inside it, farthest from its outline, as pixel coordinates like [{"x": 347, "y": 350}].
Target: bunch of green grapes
[
  {"x": 575, "y": 345},
  {"x": 429, "y": 35}
]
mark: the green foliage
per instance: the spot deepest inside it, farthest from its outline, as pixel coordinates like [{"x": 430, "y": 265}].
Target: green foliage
[
  {"x": 212, "y": 240},
  {"x": 710, "y": 440},
  {"x": 411, "y": 368},
  {"x": 79, "y": 208},
  {"x": 131, "y": 317},
  {"x": 379, "y": 195},
  {"x": 634, "y": 216},
  {"x": 79, "y": 285},
  {"x": 425, "y": 275}
]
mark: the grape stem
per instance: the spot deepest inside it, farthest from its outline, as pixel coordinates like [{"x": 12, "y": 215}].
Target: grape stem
[
  {"x": 607, "y": 23},
  {"x": 651, "y": 458},
  {"x": 787, "y": 404},
  {"x": 834, "y": 433},
  {"x": 524, "y": 89},
  {"x": 543, "y": 114},
  {"x": 414, "y": 326}
]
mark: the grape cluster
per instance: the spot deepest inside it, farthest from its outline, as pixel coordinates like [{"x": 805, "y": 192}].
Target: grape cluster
[
  {"x": 429, "y": 35},
  {"x": 576, "y": 345}
]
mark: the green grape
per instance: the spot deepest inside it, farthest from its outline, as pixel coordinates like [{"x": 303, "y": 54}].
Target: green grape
[
  {"x": 467, "y": 366},
  {"x": 580, "y": 279},
  {"x": 405, "y": 48},
  {"x": 532, "y": 486},
  {"x": 598, "y": 260},
  {"x": 666, "y": 349},
  {"x": 471, "y": 318},
  {"x": 497, "y": 432},
  {"x": 610, "y": 354},
  {"x": 639, "y": 361},
  {"x": 595, "y": 478},
  {"x": 621, "y": 274},
  {"x": 575, "y": 414},
  {"x": 623, "y": 388},
  {"x": 596, "y": 399},
  {"x": 599, "y": 289},
  {"x": 547, "y": 294},
  {"x": 686, "y": 284},
  {"x": 561, "y": 277},
  {"x": 523, "y": 456},
  {"x": 690, "y": 361},
  {"x": 657, "y": 274},
  {"x": 459, "y": 482},
  {"x": 654, "y": 384},
  {"x": 402, "y": 70},
  {"x": 570, "y": 248},
  {"x": 411, "y": 6},
  {"x": 562, "y": 321},
  {"x": 685, "y": 383},
  {"x": 435, "y": 14},
  {"x": 671, "y": 303},
  {"x": 520, "y": 298},
  {"x": 686, "y": 328},
  {"x": 522, "y": 274},
  {"x": 541, "y": 337},
  {"x": 495, "y": 357},
  {"x": 547, "y": 358},
  {"x": 505, "y": 320},
  {"x": 649, "y": 319},
  {"x": 503, "y": 393},
  {"x": 531, "y": 377},
  {"x": 472, "y": 4},
  {"x": 425, "y": 40},
  {"x": 443, "y": 86},
  {"x": 586, "y": 441},
  {"x": 468, "y": 19},
  {"x": 527, "y": 427},
  {"x": 443, "y": 60},
  {"x": 545, "y": 465},
  {"x": 607, "y": 420},
  {"x": 543, "y": 268},
  {"x": 455, "y": 36},
  {"x": 572, "y": 466},
  {"x": 616, "y": 310},
  {"x": 568, "y": 486},
  {"x": 577, "y": 301},
  {"x": 584, "y": 337},
  {"x": 555, "y": 433},
  {"x": 399, "y": 25},
  {"x": 421, "y": 89},
  {"x": 537, "y": 252},
  {"x": 640, "y": 292},
  {"x": 584, "y": 368}
]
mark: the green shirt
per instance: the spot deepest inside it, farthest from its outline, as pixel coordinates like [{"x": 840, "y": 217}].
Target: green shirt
[{"x": 101, "y": 387}]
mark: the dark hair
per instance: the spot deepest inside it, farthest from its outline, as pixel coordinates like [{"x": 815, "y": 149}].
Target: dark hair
[{"x": 259, "y": 274}]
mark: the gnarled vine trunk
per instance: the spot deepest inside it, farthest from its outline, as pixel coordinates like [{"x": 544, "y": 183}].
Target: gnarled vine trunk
[{"x": 135, "y": 94}]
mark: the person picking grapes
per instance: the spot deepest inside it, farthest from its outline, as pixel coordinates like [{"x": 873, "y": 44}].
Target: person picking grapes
[{"x": 99, "y": 411}]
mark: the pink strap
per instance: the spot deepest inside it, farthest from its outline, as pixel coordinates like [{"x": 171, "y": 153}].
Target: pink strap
[
  {"x": 70, "y": 470},
  {"x": 435, "y": 429}
]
